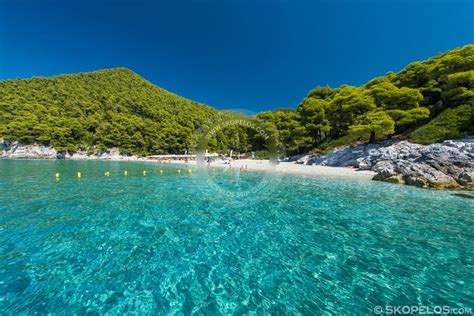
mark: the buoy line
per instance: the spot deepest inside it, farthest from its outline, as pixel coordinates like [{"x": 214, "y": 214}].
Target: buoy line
[{"x": 161, "y": 172}]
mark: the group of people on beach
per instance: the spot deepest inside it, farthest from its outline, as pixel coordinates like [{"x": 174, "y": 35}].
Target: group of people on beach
[{"x": 243, "y": 168}]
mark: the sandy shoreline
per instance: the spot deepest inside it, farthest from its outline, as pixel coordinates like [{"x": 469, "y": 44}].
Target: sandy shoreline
[{"x": 287, "y": 168}]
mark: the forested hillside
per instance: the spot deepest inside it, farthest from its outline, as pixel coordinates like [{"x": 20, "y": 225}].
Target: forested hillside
[
  {"x": 105, "y": 108},
  {"x": 426, "y": 102}
]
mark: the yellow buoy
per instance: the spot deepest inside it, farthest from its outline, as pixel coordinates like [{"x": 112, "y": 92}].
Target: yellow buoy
[
  {"x": 161, "y": 171},
  {"x": 179, "y": 170},
  {"x": 107, "y": 174},
  {"x": 144, "y": 172},
  {"x": 57, "y": 174},
  {"x": 190, "y": 171},
  {"x": 78, "y": 174},
  {"x": 125, "y": 173}
]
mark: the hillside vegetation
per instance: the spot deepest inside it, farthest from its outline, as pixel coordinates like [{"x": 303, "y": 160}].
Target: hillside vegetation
[
  {"x": 425, "y": 102},
  {"x": 105, "y": 108}
]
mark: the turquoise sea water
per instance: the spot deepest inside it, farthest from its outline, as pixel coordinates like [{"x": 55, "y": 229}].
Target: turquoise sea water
[{"x": 174, "y": 244}]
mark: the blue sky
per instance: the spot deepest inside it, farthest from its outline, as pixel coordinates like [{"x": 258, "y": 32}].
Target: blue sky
[{"x": 254, "y": 55}]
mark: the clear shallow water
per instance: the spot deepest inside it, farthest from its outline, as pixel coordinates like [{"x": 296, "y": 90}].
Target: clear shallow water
[{"x": 171, "y": 243}]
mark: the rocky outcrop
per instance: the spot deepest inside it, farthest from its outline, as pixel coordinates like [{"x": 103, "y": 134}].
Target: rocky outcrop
[
  {"x": 16, "y": 150},
  {"x": 443, "y": 165},
  {"x": 411, "y": 173}
]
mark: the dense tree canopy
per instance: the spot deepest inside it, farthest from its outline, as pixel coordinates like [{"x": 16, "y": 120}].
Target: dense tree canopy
[
  {"x": 373, "y": 125},
  {"x": 313, "y": 118},
  {"x": 108, "y": 108}
]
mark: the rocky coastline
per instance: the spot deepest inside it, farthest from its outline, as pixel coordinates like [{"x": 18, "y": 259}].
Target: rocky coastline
[
  {"x": 16, "y": 150},
  {"x": 446, "y": 165}
]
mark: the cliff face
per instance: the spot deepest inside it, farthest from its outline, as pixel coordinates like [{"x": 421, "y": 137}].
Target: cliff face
[{"x": 441, "y": 165}]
